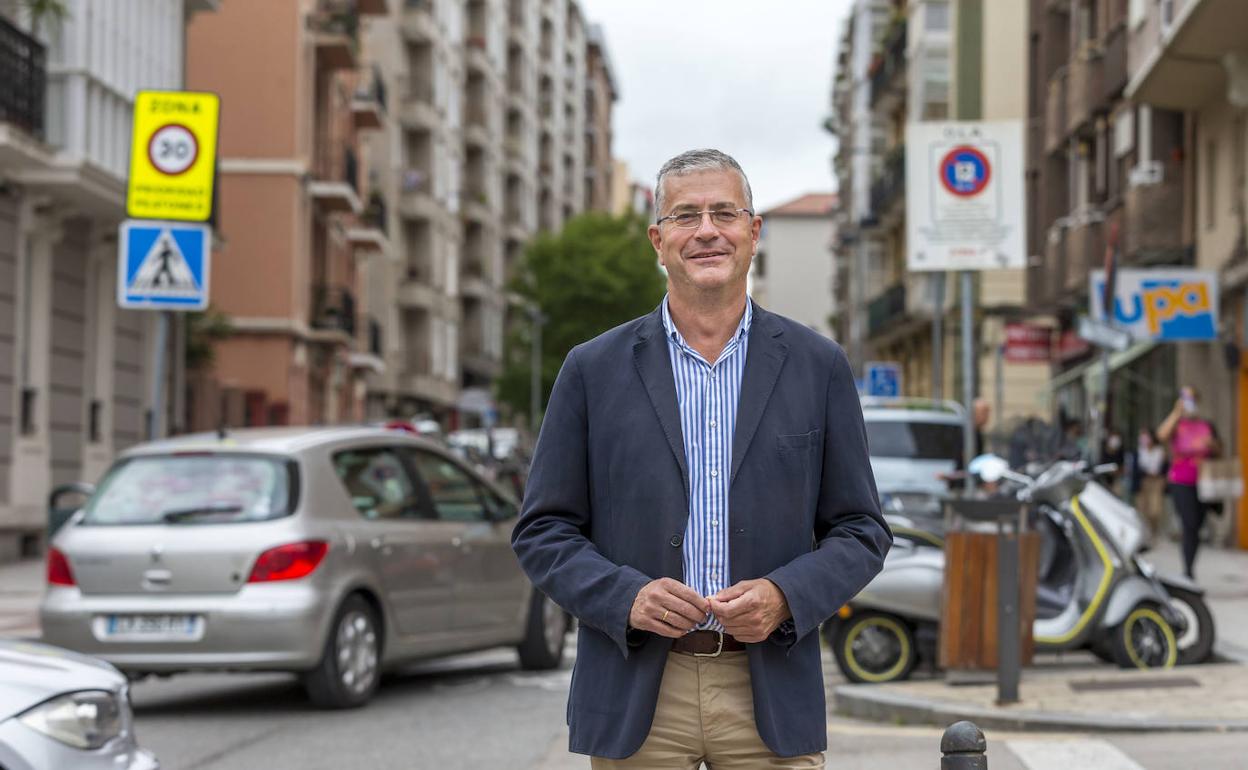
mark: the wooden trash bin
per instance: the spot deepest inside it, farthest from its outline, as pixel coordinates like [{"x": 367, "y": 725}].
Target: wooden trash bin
[{"x": 968, "y": 626}]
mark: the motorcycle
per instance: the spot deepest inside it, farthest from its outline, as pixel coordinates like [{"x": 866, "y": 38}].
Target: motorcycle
[{"x": 1094, "y": 589}]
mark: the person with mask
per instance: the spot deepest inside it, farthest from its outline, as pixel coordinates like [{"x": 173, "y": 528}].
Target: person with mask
[{"x": 1192, "y": 440}]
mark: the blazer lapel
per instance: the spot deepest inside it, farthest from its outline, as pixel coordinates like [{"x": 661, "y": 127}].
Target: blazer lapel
[
  {"x": 654, "y": 364},
  {"x": 763, "y": 360}
]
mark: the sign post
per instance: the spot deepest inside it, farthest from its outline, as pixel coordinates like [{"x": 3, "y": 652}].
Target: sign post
[{"x": 163, "y": 263}]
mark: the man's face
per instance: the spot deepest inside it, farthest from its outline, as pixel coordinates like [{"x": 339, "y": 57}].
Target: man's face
[{"x": 709, "y": 256}]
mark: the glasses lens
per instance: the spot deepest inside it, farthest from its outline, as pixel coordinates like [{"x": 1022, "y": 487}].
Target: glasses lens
[
  {"x": 688, "y": 219},
  {"x": 725, "y": 216}
]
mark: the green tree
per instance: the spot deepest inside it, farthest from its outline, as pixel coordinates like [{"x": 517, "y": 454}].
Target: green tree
[{"x": 597, "y": 273}]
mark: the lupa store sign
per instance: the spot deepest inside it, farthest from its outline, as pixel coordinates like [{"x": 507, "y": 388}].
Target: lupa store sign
[{"x": 1160, "y": 305}]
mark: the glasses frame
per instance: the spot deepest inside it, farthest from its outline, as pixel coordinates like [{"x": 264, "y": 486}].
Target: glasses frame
[{"x": 701, "y": 216}]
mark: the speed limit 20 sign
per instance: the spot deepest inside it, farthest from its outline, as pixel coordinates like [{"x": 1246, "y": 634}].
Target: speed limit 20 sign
[{"x": 173, "y": 156}]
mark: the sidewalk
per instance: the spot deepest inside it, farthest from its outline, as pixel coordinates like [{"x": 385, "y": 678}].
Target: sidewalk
[
  {"x": 21, "y": 587},
  {"x": 1066, "y": 693}
]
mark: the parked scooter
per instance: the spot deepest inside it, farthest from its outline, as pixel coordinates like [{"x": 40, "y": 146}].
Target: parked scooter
[{"x": 1093, "y": 590}]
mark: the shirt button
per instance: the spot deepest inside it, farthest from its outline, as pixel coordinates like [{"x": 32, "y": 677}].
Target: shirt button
[
  {"x": 675, "y": 541},
  {"x": 713, "y": 423},
  {"x": 714, "y": 473},
  {"x": 714, "y": 522},
  {"x": 715, "y": 575}
]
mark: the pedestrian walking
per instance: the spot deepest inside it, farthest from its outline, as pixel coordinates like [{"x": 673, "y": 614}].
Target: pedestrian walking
[
  {"x": 700, "y": 498},
  {"x": 1149, "y": 482},
  {"x": 1192, "y": 440}
]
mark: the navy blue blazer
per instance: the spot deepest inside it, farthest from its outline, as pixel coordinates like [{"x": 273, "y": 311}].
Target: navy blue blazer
[{"x": 607, "y": 502}]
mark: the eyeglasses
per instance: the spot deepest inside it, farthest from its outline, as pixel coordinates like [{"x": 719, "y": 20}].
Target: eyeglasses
[{"x": 720, "y": 217}]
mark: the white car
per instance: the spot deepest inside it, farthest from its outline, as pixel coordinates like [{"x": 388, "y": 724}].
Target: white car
[
  {"x": 59, "y": 709},
  {"x": 913, "y": 445}
]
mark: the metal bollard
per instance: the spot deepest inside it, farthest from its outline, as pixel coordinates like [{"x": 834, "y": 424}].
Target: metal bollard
[{"x": 963, "y": 747}]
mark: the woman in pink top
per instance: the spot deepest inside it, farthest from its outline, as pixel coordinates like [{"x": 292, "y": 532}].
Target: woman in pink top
[{"x": 1192, "y": 439}]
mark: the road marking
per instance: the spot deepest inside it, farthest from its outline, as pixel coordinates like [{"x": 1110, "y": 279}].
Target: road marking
[{"x": 1066, "y": 754}]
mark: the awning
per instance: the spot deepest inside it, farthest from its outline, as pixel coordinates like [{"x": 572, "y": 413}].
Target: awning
[{"x": 1090, "y": 369}]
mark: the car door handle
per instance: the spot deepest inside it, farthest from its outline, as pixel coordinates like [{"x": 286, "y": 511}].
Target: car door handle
[{"x": 162, "y": 577}]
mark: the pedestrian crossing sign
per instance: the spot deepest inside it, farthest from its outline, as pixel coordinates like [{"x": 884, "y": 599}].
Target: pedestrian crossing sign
[{"x": 163, "y": 265}]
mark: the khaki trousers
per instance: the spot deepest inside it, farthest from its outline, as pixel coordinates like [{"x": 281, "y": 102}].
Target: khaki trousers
[
  {"x": 705, "y": 714},
  {"x": 1152, "y": 505}
]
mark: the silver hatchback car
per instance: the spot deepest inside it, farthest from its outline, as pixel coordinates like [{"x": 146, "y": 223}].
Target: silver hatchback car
[{"x": 331, "y": 552}]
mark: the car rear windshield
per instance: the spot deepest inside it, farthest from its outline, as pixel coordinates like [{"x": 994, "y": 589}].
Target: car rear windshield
[
  {"x": 915, "y": 440},
  {"x": 194, "y": 489}
]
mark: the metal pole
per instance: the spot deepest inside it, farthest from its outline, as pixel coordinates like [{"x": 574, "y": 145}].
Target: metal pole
[
  {"x": 1008, "y": 652},
  {"x": 968, "y": 375},
  {"x": 155, "y": 425},
  {"x": 535, "y": 372},
  {"x": 1000, "y": 386},
  {"x": 1096, "y": 436},
  {"x": 938, "y": 336}
]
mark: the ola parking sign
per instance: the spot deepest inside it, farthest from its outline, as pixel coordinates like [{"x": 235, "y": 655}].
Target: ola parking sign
[{"x": 173, "y": 156}]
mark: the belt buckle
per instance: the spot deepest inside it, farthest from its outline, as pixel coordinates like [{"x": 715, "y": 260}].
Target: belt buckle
[{"x": 718, "y": 648}]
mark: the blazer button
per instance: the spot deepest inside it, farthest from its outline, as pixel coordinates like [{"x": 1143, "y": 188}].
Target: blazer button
[{"x": 676, "y": 541}]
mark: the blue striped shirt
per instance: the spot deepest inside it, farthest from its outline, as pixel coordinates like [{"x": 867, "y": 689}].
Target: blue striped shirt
[{"x": 706, "y": 395}]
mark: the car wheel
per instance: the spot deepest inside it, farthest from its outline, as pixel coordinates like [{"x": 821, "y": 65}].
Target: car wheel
[
  {"x": 874, "y": 647},
  {"x": 349, "y": 670},
  {"x": 1144, "y": 639},
  {"x": 544, "y": 634}
]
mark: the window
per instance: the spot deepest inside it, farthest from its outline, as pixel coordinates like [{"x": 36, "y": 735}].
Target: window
[
  {"x": 377, "y": 483},
  {"x": 456, "y": 496},
  {"x": 1211, "y": 184},
  {"x": 936, "y": 14}
]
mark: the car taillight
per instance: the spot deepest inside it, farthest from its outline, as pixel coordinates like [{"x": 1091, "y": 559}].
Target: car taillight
[
  {"x": 288, "y": 562},
  {"x": 59, "y": 573}
]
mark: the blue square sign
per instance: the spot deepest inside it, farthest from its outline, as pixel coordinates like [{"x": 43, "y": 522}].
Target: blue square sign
[
  {"x": 163, "y": 265},
  {"x": 883, "y": 379}
]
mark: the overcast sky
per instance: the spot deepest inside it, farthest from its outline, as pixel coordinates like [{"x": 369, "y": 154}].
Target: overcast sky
[{"x": 749, "y": 78}]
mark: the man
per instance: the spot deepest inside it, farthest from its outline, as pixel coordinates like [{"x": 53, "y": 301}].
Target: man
[{"x": 700, "y": 499}]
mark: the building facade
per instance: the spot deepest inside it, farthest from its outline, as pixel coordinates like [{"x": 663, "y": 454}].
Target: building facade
[
  {"x": 75, "y": 370},
  {"x": 791, "y": 273}
]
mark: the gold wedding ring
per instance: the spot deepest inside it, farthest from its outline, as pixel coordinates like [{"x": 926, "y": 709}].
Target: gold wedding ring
[{"x": 665, "y": 614}]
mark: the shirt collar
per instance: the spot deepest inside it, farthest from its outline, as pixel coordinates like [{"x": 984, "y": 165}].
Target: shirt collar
[{"x": 743, "y": 328}]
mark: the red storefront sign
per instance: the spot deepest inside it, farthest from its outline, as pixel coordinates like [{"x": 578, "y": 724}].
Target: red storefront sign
[{"x": 1026, "y": 343}]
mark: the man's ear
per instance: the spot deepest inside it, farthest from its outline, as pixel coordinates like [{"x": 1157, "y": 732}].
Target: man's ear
[{"x": 655, "y": 234}]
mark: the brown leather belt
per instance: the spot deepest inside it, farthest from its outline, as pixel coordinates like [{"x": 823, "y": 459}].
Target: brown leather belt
[{"x": 706, "y": 643}]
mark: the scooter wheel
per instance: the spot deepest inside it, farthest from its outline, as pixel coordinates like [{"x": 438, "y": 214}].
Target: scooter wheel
[
  {"x": 1145, "y": 639},
  {"x": 874, "y": 647},
  {"x": 1196, "y": 641}
]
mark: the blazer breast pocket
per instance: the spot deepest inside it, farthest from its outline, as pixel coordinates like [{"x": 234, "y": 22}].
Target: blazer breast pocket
[{"x": 798, "y": 442}]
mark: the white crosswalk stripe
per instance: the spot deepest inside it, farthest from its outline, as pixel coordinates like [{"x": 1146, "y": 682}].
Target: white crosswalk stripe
[{"x": 1070, "y": 754}]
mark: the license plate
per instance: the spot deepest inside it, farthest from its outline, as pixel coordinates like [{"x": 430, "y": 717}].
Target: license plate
[{"x": 150, "y": 628}]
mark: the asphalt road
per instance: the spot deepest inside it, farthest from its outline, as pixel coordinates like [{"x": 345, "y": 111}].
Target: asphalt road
[{"x": 481, "y": 711}]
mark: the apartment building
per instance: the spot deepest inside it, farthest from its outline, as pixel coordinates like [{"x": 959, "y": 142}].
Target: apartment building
[
  {"x": 1102, "y": 163},
  {"x": 75, "y": 370},
  {"x": 501, "y": 128},
  {"x": 791, "y": 273},
  {"x": 1186, "y": 66}
]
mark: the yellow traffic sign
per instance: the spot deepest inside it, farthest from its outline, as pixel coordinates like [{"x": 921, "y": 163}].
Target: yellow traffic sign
[{"x": 173, "y": 156}]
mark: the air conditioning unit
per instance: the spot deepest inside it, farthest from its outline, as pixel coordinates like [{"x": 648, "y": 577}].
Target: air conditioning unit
[{"x": 1148, "y": 173}]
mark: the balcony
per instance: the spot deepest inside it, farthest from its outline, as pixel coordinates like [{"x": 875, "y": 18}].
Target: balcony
[
  {"x": 1085, "y": 252},
  {"x": 1183, "y": 70},
  {"x": 368, "y": 104},
  {"x": 418, "y": 23},
  {"x": 416, "y": 293},
  {"x": 889, "y": 186},
  {"x": 1114, "y": 67},
  {"x": 371, "y": 233},
  {"x": 1153, "y": 224},
  {"x": 888, "y": 82},
  {"x": 418, "y": 110},
  {"x": 886, "y": 309},
  {"x": 335, "y": 28},
  {"x": 1055, "y": 113},
  {"x": 23, "y": 78},
  {"x": 1052, "y": 285},
  {"x": 333, "y": 309},
  {"x": 336, "y": 186},
  {"x": 1085, "y": 89}
]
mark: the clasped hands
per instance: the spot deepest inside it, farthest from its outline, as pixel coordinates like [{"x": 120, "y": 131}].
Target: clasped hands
[{"x": 749, "y": 610}]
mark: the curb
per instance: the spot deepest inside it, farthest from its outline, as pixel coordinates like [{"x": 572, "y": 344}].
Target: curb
[{"x": 868, "y": 702}]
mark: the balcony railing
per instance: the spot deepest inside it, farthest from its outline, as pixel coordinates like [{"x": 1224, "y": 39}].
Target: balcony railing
[
  {"x": 886, "y": 308},
  {"x": 1055, "y": 112},
  {"x": 22, "y": 79},
  {"x": 333, "y": 309},
  {"x": 890, "y": 183},
  {"x": 1085, "y": 252},
  {"x": 892, "y": 62},
  {"x": 1153, "y": 223},
  {"x": 1085, "y": 89}
]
